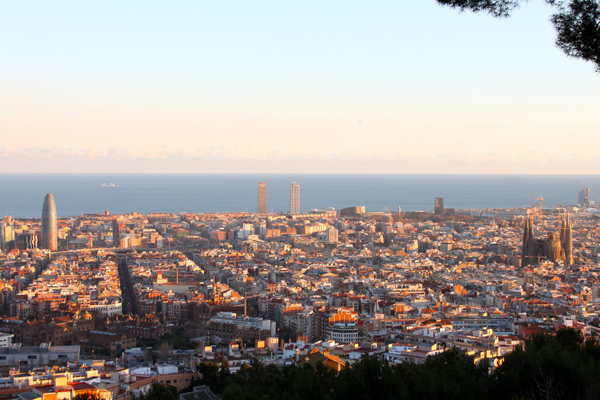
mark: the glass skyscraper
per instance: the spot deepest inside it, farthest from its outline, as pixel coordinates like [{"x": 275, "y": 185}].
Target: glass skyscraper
[{"x": 49, "y": 224}]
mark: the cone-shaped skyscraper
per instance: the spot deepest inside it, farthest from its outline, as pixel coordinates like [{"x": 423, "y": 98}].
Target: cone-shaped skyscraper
[{"x": 49, "y": 226}]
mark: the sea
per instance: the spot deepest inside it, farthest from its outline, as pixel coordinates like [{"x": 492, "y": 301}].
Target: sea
[{"x": 22, "y": 195}]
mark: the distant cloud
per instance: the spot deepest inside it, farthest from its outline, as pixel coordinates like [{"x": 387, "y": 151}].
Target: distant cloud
[{"x": 250, "y": 158}]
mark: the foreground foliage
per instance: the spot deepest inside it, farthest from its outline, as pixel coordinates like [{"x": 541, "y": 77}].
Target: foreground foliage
[
  {"x": 577, "y": 22},
  {"x": 560, "y": 366},
  {"x": 157, "y": 391}
]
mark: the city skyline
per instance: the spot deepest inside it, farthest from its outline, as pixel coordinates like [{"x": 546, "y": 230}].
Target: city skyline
[
  {"x": 446, "y": 243},
  {"x": 357, "y": 93},
  {"x": 87, "y": 193}
]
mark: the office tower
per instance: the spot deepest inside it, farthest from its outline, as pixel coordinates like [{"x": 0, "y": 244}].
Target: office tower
[
  {"x": 294, "y": 198},
  {"x": 584, "y": 197},
  {"x": 7, "y": 238},
  {"x": 49, "y": 225},
  {"x": 262, "y": 198},
  {"x": 26, "y": 241},
  {"x": 528, "y": 256},
  {"x": 439, "y": 206}
]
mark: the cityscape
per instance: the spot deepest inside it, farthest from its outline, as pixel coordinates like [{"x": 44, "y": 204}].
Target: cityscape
[
  {"x": 315, "y": 200},
  {"x": 96, "y": 297}
]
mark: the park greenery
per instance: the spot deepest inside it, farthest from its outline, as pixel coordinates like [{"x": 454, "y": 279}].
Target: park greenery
[
  {"x": 157, "y": 391},
  {"x": 577, "y": 22},
  {"x": 549, "y": 367}
]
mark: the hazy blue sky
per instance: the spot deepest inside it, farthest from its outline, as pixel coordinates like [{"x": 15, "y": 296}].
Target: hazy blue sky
[{"x": 280, "y": 86}]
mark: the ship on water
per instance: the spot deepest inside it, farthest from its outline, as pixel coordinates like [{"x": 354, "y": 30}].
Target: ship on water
[{"x": 108, "y": 185}]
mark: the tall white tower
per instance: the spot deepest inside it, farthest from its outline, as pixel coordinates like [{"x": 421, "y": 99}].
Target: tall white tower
[{"x": 294, "y": 198}]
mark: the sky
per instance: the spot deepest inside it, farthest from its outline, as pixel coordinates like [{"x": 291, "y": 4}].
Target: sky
[{"x": 347, "y": 86}]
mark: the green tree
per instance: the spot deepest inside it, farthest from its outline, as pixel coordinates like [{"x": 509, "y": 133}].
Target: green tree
[
  {"x": 370, "y": 378},
  {"x": 235, "y": 392},
  {"x": 452, "y": 375},
  {"x": 577, "y": 22},
  {"x": 561, "y": 366},
  {"x": 224, "y": 372},
  {"x": 210, "y": 376},
  {"x": 164, "y": 350},
  {"x": 86, "y": 396},
  {"x": 157, "y": 392},
  {"x": 257, "y": 370}
]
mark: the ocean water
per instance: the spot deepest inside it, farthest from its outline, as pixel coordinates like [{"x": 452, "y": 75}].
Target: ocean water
[{"x": 22, "y": 195}]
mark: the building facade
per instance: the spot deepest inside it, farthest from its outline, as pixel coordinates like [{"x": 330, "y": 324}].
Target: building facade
[
  {"x": 439, "y": 206},
  {"x": 294, "y": 198},
  {"x": 584, "y": 197},
  {"x": 344, "y": 333},
  {"x": 262, "y": 198},
  {"x": 44, "y": 354}
]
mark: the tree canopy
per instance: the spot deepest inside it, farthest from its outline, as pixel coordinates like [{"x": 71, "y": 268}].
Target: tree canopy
[
  {"x": 158, "y": 391},
  {"x": 577, "y": 22},
  {"x": 561, "y": 366}
]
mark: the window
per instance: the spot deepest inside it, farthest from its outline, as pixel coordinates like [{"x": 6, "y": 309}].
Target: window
[{"x": 32, "y": 357}]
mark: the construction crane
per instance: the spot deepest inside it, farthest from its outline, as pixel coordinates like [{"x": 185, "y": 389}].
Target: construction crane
[
  {"x": 541, "y": 199},
  {"x": 559, "y": 210},
  {"x": 251, "y": 297}
]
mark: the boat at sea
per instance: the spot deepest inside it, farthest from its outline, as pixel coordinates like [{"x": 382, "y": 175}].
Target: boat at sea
[{"x": 108, "y": 184}]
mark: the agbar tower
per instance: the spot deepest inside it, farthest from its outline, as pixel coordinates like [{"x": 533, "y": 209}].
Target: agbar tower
[{"x": 49, "y": 225}]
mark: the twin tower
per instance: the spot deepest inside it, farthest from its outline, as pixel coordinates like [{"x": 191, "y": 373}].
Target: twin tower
[
  {"x": 50, "y": 226},
  {"x": 294, "y": 198}
]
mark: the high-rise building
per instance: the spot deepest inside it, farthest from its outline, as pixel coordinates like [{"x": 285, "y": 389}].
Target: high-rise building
[
  {"x": 49, "y": 225},
  {"x": 331, "y": 235},
  {"x": 439, "y": 206},
  {"x": 7, "y": 235},
  {"x": 584, "y": 197},
  {"x": 294, "y": 198},
  {"x": 262, "y": 198}
]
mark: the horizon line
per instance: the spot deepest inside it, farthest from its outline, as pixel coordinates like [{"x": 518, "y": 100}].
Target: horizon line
[{"x": 298, "y": 173}]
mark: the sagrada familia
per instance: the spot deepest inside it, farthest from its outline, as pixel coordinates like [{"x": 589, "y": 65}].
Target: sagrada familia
[{"x": 558, "y": 246}]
